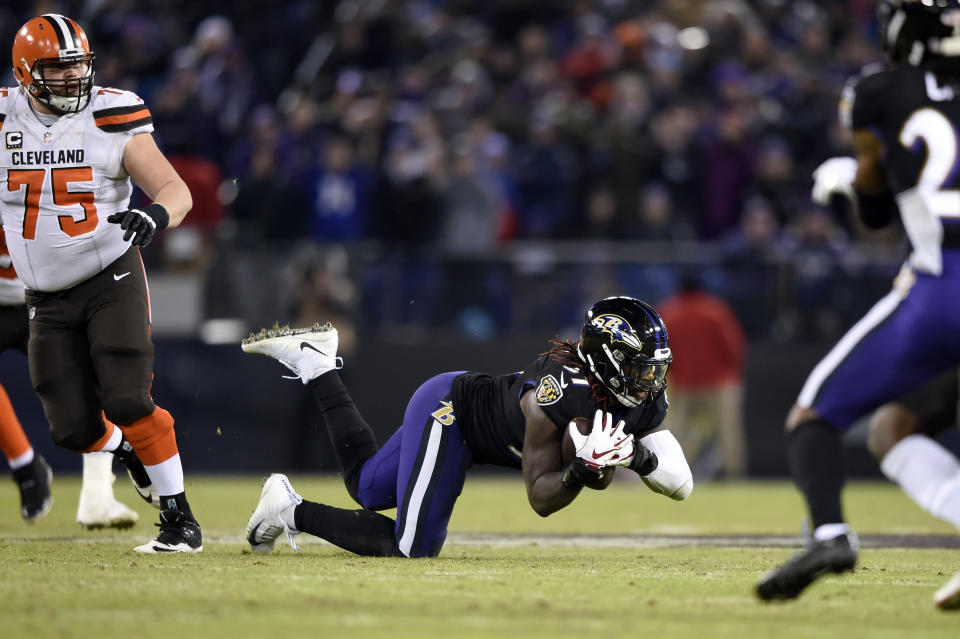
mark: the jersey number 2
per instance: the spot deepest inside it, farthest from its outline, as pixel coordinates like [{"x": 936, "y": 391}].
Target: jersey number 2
[
  {"x": 937, "y": 133},
  {"x": 32, "y": 180}
]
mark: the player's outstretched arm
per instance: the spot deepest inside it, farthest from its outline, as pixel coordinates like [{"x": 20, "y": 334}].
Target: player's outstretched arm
[
  {"x": 151, "y": 171},
  {"x": 543, "y": 471}
]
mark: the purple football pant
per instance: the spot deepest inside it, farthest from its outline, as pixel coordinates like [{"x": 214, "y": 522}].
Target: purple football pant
[
  {"x": 909, "y": 337},
  {"x": 420, "y": 470}
]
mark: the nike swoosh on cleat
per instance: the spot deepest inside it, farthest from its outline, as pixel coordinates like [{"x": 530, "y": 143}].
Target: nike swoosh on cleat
[
  {"x": 304, "y": 345},
  {"x": 251, "y": 538},
  {"x": 117, "y": 278}
]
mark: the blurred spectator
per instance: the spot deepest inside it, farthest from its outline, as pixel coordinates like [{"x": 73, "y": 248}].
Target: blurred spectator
[
  {"x": 750, "y": 260},
  {"x": 546, "y": 173},
  {"x": 268, "y": 206},
  {"x": 705, "y": 379},
  {"x": 340, "y": 194},
  {"x": 726, "y": 168},
  {"x": 469, "y": 225},
  {"x": 816, "y": 247},
  {"x": 658, "y": 219}
]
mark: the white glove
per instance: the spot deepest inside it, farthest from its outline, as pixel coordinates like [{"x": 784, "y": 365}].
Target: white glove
[
  {"x": 606, "y": 445},
  {"x": 835, "y": 175}
]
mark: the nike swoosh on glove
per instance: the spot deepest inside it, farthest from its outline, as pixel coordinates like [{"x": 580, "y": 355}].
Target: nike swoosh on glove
[
  {"x": 141, "y": 225},
  {"x": 606, "y": 445}
]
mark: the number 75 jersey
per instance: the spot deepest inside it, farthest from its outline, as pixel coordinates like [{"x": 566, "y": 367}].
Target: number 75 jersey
[{"x": 59, "y": 183}]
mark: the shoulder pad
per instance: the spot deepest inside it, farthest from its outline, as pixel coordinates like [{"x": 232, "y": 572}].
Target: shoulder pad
[
  {"x": 4, "y": 103},
  {"x": 562, "y": 398},
  {"x": 862, "y": 94},
  {"x": 117, "y": 111}
]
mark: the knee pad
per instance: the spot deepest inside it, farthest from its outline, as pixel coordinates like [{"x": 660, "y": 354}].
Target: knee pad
[
  {"x": 128, "y": 407},
  {"x": 79, "y": 441},
  {"x": 672, "y": 476}
]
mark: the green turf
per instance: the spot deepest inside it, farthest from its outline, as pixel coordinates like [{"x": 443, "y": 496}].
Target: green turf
[{"x": 59, "y": 581}]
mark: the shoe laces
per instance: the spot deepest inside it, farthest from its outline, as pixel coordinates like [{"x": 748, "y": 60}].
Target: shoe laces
[
  {"x": 174, "y": 529},
  {"x": 291, "y": 534}
]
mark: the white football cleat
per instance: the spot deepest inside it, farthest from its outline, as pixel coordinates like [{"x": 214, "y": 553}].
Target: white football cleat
[
  {"x": 266, "y": 522},
  {"x": 98, "y": 508},
  {"x": 308, "y": 352},
  {"x": 948, "y": 597}
]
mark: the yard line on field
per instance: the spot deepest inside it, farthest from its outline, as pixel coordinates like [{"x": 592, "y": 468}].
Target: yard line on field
[{"x": 516, "y": 540}]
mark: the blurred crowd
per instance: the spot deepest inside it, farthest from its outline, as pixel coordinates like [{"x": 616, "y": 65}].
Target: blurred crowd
[{"x": 458, "y": 128}]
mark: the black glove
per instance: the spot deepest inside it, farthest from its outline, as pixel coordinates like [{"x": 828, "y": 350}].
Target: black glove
[
  {"x": 577, "y": 474},
  {"x": 141, "y": 225},
  {"x": 644, "y": 460}
]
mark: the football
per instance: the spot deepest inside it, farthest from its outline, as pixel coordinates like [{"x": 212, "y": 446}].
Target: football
[{"x": 567, "y": 449}]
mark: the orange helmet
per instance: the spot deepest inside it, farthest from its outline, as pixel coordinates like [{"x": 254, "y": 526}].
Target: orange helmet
[{"x": 53, "y": 39}]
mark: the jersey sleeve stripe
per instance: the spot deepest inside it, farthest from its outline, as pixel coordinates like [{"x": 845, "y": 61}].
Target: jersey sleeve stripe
[
  {"x": 127, "y": 125},
  {"x": 136, "y": 110}
]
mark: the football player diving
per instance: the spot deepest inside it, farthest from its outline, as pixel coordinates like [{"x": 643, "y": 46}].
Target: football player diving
[{"x": 615, "y": 373}]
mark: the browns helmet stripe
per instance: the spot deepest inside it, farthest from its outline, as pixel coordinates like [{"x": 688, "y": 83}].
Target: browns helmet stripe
[
  {"x": 60, "y": 30},
  {"x": 73, "y": 32},
  {"x": 64, "y": 28}
]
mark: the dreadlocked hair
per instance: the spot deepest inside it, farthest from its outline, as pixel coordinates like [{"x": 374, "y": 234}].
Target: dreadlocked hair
[{"x": 564, "y": 351}]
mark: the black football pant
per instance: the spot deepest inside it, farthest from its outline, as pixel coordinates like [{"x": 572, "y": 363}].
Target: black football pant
[{"x": 90, "y": 350}]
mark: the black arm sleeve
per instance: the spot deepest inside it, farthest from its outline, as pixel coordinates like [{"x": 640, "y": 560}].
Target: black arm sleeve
[{"x": 876, "y": 211}]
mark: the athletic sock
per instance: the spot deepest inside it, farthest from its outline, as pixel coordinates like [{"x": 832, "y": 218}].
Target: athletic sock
[
  {"x": 13, "y": 441},
  {"x": 362, "y": 531},
  {"x": 353, "y": 439},
  {"x": 815, "y": 454},
  {"x": 928, "y": 473}
]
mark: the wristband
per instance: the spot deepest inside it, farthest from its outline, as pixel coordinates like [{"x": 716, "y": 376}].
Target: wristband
[
  {"x": 159, "y": 215},
  {"x": 577, "y": 474},
  {"x": 644, "y": 460}
]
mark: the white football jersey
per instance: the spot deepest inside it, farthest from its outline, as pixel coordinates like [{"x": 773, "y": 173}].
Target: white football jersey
[
  {"x": 11, "y": 287},
  {"x": 58, "y": 185}
]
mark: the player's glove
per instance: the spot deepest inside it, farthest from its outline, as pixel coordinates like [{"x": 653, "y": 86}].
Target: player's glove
[
  {"x": 141, "y": 225},
  {"x": 606, "y": 445},
  {"x": 834, "y": 177}
]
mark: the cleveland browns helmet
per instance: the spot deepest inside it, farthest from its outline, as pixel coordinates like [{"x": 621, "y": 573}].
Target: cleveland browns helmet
[
  {"x": 624, "y": 343},
  {"x": 47, "y": 41},
  {"x": 916, "y": 31}
]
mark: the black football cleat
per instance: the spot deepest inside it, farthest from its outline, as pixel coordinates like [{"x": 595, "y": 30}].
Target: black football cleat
[
  {"x": 34, "y": 481},
  {"x": 836, "y": 555},
  {"x": 179, "y": 532}
]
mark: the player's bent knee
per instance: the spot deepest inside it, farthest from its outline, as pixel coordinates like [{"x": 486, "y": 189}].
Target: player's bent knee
[
  {"x": 76, "y": 441},
  {"x": 799, "y": 415},
  {"x": 127, "y": 408},
  {"x": 890, "y": 424},
  {"x": 672, "y": 477}
]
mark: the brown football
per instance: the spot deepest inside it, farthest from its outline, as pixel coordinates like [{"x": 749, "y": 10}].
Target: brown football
[{"x": 566, "y": 447}]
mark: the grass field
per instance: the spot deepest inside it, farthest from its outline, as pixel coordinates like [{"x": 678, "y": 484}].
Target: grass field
[{"x": 623, "y": 562}]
